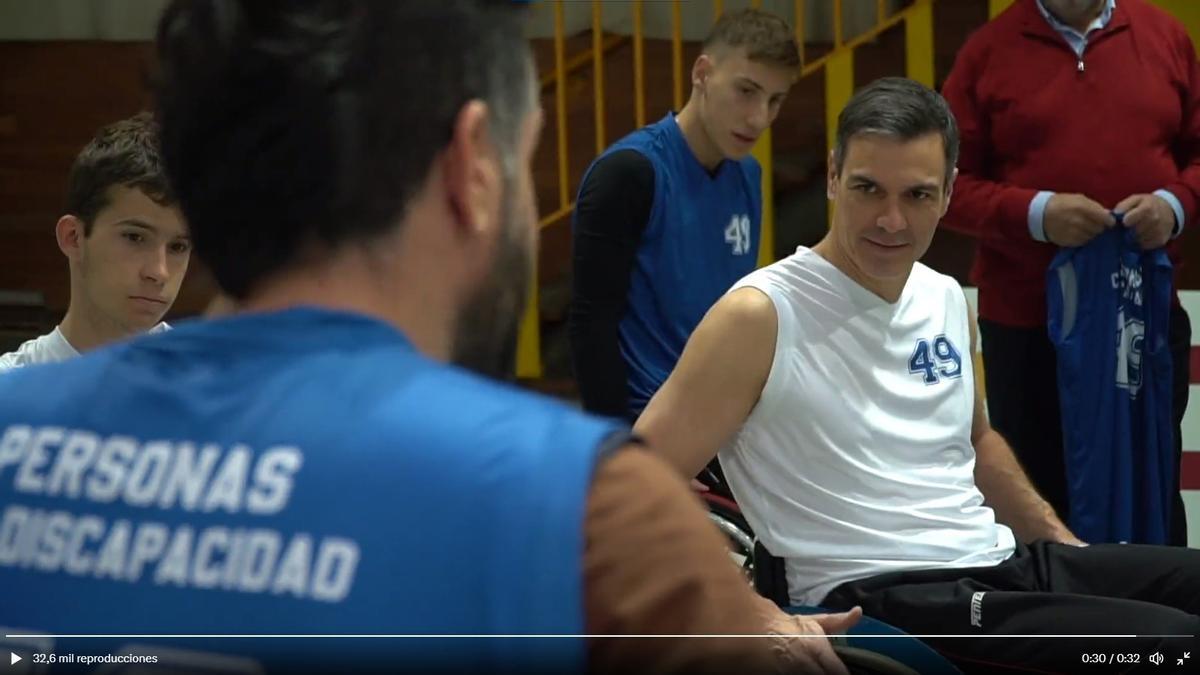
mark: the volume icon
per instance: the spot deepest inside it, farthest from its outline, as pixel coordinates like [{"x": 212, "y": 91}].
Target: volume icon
[{"x": 1156, "y": 658}]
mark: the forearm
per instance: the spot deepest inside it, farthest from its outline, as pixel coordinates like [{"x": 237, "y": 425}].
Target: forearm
[
  {"x": 1008, "y": 491},
  {"x": 1186, "y": 191},
  {"x": 1186, "y": 187},
  {"x": 982, "y": 205},
  {"x": 610, "y": 217},
  {"x": 988, "y": 209},
  {"x": 670, "y": 432},
  {"x": 600, "y": 370},
  {"x": 654, "y": 565}
]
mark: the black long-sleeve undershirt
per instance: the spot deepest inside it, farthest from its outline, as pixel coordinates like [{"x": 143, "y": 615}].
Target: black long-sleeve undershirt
[{"x": 611, "y": 215}]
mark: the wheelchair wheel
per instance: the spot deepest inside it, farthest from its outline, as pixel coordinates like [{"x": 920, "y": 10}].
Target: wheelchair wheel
[
  {"x": 728, "y": 519},
  {"x": 863, "y": 662}
]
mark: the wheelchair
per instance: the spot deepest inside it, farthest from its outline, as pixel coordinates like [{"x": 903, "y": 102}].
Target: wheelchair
[{"x": 765, "y": 572}]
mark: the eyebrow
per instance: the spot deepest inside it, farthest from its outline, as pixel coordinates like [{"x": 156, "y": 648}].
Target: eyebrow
[
  {"x": 931, "y": 186},
  {"x": 133, "y": 222},
  {"x": 143, "y": 225},
  {"x": 742, "y": 79}
]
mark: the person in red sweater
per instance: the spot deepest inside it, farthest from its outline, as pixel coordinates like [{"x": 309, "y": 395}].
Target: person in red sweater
[{"x": 1069, "y": 110}]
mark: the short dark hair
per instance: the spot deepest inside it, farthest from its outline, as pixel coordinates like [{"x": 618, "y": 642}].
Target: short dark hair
[
  {"x": 767, "y": 38},
  {"x": 124, "y": 153},
  {"x": 900, "y": 108},
  {"x": 313, "y": 122}
]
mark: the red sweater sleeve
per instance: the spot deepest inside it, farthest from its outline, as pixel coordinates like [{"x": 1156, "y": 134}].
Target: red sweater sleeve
[
  {"x": 979, "y": 206},
  {"x": 1187, "y": 147}
]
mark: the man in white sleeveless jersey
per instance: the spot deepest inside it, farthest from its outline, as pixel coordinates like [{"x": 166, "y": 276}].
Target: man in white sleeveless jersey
[{"x": 837, "y": 387}]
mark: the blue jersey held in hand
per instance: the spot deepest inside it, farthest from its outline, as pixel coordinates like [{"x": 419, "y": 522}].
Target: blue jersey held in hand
[{"x": 1109, "y": 304}]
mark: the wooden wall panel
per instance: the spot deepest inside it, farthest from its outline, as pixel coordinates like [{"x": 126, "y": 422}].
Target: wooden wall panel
[
  {"x": 53, "y": 98},
  {"x": 54, "y": 95}
]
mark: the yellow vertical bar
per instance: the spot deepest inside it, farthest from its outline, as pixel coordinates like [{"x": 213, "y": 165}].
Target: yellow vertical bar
[
  {"x": 598, "y": 72},
  {"x": 880, "y": 11},
  {"x": 918, "y": 43},
  {"x": 677, "y": 52},
  {"x": 839, "y": 86},
  {"x": 639, "y": 95},
  {"x": 837, "y": 23},
  {"x": 766, "y": 240},
  {"x": 756, "y": 3},
  {"x": 560, "y": 100},
  {"x": 798, "y": 10},
  {"x": 997, "y": 6},
  {"x": 718, "y": 9},
  {"x": 529, "y": 338}
]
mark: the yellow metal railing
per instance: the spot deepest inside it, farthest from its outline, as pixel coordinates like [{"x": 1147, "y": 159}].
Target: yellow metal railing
[
  {"x": 838, "y": 65},
  {"x": 581, "y": 60},
  {"x": 598, "y": 71},
  {"x": 639, "y": 67},
  {"x": 676, "y": 53}
]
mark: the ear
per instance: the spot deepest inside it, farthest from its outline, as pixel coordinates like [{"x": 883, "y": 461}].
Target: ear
[
  {"x": 471, "y": 170},
  {"x": 831, "y": 177},
  {"x": 949, "y": 191},
  {"x": 69, "y": 231},
  {"x": 701, "y": 70}
]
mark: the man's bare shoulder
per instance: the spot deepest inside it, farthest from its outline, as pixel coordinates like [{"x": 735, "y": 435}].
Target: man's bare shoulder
[
  {"x": 748, "y": 305},
  {"x": 745, "y": 318}
]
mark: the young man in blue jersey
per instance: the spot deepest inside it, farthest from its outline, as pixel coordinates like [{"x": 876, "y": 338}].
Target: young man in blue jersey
[
  {"x": 837, "y": 387},
  {"x": 125, "y": 241},
  {"x": 668, "y": 218},
  {"x": 358, "y": 178}
]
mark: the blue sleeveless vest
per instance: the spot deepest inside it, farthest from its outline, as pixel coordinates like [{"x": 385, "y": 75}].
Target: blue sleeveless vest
[
  {"x": 702, "y": 237},
  {"x": 302, "y": 472},
  {"x": 1109, "y": 305}
]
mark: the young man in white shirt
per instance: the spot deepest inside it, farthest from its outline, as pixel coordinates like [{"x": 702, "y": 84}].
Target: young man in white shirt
[{"x": 125, "y": 241}]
